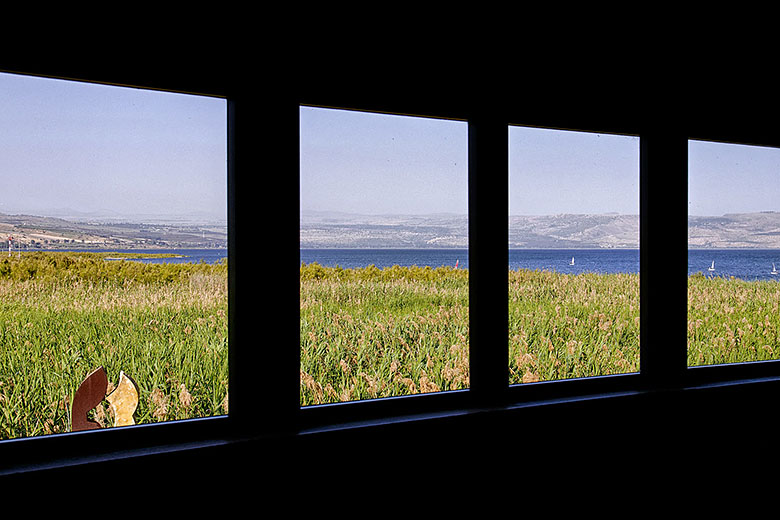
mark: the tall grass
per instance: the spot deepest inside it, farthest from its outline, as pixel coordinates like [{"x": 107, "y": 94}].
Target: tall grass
[
  {"x": 732, "y": 321},
  {"x": 567, "y": 326},
  {"x": 63, "y": 315},
  {"x": 372, "y": 332},
  {"x": 368, "y": 333}
]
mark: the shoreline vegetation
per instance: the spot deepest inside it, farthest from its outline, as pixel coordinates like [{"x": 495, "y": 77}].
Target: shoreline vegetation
[
  {"x": 138, "y": 256},
  {"x": 64, "y": 314},
  {"x": 380, "y": 332}
]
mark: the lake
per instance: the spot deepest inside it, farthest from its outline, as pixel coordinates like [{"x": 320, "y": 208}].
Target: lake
[
  {"x": 747, "y": 264},
  {"x": 596, "y": 260}
]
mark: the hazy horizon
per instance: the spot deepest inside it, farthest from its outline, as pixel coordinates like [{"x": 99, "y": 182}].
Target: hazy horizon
[
  {"x": 107, "y": 214},
  {"x": 367, "y": 214},
  {"x": 302, "y": 211}
]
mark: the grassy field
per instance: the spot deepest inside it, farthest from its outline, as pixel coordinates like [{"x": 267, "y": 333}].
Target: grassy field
[
  {"x": 565, "y": 326},
  {"x": 368, "y": 333},
  {"x": 732, "y": 321},
  {"x": 64, "y": 314},
  {"x": 371, "y": 332}
]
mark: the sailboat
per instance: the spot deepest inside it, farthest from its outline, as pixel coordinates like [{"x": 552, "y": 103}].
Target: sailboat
[
  {"x": 774, "y": 269},
  {"x": 572, "y": 261},
  {"x": 712, "y": 267}
]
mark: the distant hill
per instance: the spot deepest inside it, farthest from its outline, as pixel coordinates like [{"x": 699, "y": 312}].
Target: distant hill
[
  {"x": 563, "y": 231},
  {"x": 346, "y": 230},
  {"x": 343, "y": 230},
  {"x": 735, "y": 230},
  {"x": 574, "y": 231},
  {"x": 34, "y": 231}
]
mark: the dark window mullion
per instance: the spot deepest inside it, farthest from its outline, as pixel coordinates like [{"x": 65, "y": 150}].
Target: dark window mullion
[
  {"x": 264, "y": 376},
  {"x": 488, "y": 258},
  {"x": 663, "y": 257}
]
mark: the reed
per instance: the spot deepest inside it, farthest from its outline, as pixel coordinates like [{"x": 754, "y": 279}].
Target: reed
[
  {"x": 368, "y": 333},
  {"x": 62, "y": 315},
  {"x": 565, "y": 326},
  {"x": 732, "y": 320}
]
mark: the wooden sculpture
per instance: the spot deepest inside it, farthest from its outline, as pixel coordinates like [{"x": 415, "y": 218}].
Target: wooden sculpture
[{"x": 123, "y": 400}]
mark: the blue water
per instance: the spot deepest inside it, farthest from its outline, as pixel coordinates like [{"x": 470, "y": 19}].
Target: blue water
[
  {"x": 746, "y": 264},
  {"x": 585, "y": 260},
  {"x": 595, "y": 260},
  {"x": 353, "y": 258},
  {"x": 739, "y": 263},
  {"x": 208, "y": 256}
]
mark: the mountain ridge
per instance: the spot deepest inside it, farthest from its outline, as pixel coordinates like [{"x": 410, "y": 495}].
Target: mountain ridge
[
  {"x": 758, "y": 230},
  {"x": 50, "y": 232}
]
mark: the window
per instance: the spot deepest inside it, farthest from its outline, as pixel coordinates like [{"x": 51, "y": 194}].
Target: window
[
  {"x": 113, "y": 214},
  {"x": 733, "y": 253},
  {"x": 573, "y": 254},
  {"x": 384, "y": 256},
  {"x": 267, "y": 395}
]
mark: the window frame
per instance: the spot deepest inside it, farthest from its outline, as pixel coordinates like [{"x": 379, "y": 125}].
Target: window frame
[
  {"x": 488, "y": 168},
  {"x": 274, "y": 373},
  {"x": 720, "y": 374},
  {"x": 663, "y": 284},
  {"x": 74, "y": 449}
]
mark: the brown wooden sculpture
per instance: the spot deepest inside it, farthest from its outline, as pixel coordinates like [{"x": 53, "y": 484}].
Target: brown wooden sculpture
[{"x": 123, "y": 400}]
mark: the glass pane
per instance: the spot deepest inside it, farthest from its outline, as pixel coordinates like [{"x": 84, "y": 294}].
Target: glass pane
[
  {"x": 384, "y": 255},
  {"x": 573, "y": 254},
  {"x": 113, "y": 214},
  {"x": 733, "y": 253}
]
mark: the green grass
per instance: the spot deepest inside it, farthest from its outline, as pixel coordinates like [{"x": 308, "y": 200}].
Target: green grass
[
  {"x": 368, "y": 333},
  {"x": 732, "y": 321},
  {"x": 568, "y": 326},
  {"x": 64, "y": 314}
]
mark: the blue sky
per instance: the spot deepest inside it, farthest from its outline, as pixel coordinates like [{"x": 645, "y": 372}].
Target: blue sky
[
  {"x": 557, "y": 171},
  {"x": 732, "y": 178},
  {"x": 88, "y": 147},
  {"x": 381, "y": 164}
]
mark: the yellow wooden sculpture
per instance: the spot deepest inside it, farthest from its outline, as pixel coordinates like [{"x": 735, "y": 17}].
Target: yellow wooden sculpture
[{"x": 123, "y": 400}]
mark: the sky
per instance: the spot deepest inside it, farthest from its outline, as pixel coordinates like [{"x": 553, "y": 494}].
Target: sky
[
  {"x": 99, "y": 148},
  {"x": 561, "y": 171},
  {"x": 383, "y": 164},
  {"x": 377, "y": 164},
  {"x": 732, "y": 178}
]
